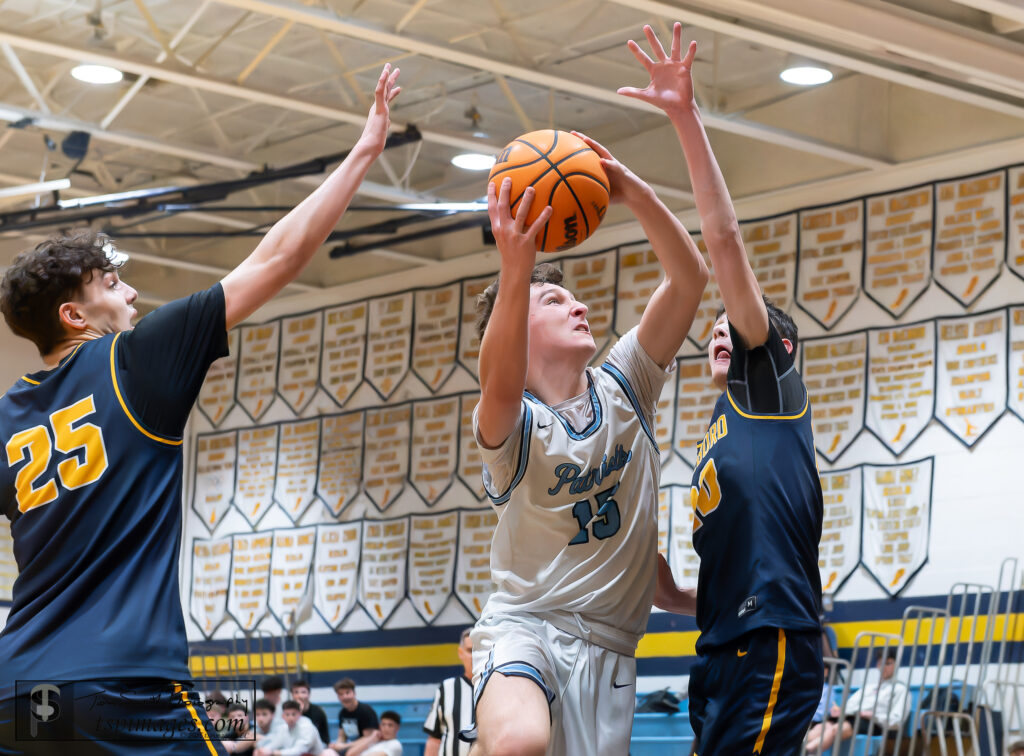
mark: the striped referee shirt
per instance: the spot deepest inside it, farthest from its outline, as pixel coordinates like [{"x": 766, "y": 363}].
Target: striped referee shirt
[{"x": 451, "y": 712}]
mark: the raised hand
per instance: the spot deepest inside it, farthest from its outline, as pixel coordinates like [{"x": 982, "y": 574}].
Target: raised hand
[
  {"x": 375, "y": 132},
  {"x": 516, "y": 243},
  {"x": 671, "y": 87},
  {"x": 624, "y": 185}
]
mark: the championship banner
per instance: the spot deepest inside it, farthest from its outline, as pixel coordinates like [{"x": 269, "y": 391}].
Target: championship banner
[
  {"x": 831, "y": 260},
  {"x": 901, "y": 383},
  {"x": 336, "y": 571},
  {"x": 214, "y": 483},
  {"x": 695, "y": 402},
  {"x": 211, "y": 570},
  {"x": 1015, "y": 363},
  {"x": 432, "y": 562},
  {"x": 344, "y": 351},
  {"x": 295, "y": 485},
  {"x": 386, "y": 461},
  {"x": 970, "y": 235},
  {"x": 664, "y": 416},
  {"x": 664, "y": 519},
  {"x": 257, "y": 470},
  {"x": 834, "y": 371},
  {"x": 341, "y": 460},
  {"x": 682, "y": 558},
  {"x": 591, "y": 279},
  {"x": 710, "y": 300},
  {"x": 382, "y": 575},
  {"x": 299, "y": 372},
  {"x": 8, "y": 565},
  {"x": 1015, "y": 223},
  {"x": 971, "y": 383},
  {"x": 290, "y": 564},
  {"x": 257, "y": 368},
  {"x": 839, "y": 547},
  {"x": 436, "y": 336},
  {"x": 473, "y": 566},
  {"x": 639, "y": 274},
  {"x": 389, "y": 342},
  {"x": 771, "y": 249},
  {"x": 435, "y": 446},
  {"x": 217, "y": 394},
  {"x": 470, "y": 468},
  {"x": 469, "y": 344},
  {"x": 899, "y": 248},
  {"x": 897, "y": 520},
  {"x": 250, "y": 578}
]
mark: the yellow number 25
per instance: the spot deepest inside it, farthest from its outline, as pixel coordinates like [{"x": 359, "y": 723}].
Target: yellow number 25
[{"x": 73, "y": 472}]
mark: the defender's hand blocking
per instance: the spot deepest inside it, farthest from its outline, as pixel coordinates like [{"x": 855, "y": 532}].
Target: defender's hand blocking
[
  {"x": 624, "y": 185},
  {"x": 671, "y": 87},
  {"x": 514, "y": 243},
  {"x": 375, "y": 132}
]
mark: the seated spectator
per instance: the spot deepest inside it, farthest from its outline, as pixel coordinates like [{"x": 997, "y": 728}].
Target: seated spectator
[
  {"x": 316, "y": 715},
  {"x": 270, "y": 734},
  {"x": 238, "y": 737},
  {"x": 1016, "y": 749},
  {"x": 826, "y": 700},
  {"x": 356, "y": 721},
  {"x": 301, "y": 738},
  {"x": 273, "y": 690},
  {"x": 216, "y": 708},
  {"x": 882, "y": 708},
  {"x": 383, "y": 742}
]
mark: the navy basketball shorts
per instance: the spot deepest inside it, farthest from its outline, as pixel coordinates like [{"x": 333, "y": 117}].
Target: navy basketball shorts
[
  {"x": 757, "y": 694},
  {"x": 153, "y": 717}
]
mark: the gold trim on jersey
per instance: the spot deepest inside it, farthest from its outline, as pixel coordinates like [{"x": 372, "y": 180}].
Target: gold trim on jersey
[
  {"x": 776, "y": 685},
  {"x": 767, "y": 417},
  {"x": 127, "y": 412}
]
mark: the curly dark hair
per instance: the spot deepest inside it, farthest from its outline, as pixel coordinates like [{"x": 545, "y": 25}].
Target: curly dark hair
[
  {"x": 542, "y": 274},
  {"x": 39, "y": 281}
]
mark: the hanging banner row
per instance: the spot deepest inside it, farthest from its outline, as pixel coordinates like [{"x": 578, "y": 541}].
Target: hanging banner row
[
  {"x": 8, "y": 565},
  {"x": 875, "y": 515},
  {"x": 959, "y": 233}
]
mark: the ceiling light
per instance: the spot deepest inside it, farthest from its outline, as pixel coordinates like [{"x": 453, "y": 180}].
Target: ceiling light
[
  {"x": 473, "y": 161},
  {"x": 806, "y": 76},
  {"x": 93, "y": 74},
  {"x": 445, "y": 207}
]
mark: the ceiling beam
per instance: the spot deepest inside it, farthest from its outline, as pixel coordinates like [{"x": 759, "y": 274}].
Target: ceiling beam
[
  {"x": 13, "y": 114},
  {"x": 1013, "y": 11},
  {"x": 933, "y": 47},
  {"x": 887, "y": 72},
  {"x": 328, "y": 22}
]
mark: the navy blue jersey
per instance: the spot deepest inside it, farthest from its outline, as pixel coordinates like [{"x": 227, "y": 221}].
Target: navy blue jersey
[
  {"x": 94, "y": 498},
  {"x": 757, "y": 506}
]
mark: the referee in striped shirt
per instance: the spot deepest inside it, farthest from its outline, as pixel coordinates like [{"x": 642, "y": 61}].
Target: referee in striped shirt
[{"x": 452, "y": 710}]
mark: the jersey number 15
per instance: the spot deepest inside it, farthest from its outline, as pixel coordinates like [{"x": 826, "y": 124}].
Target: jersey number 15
[{"x": 84, "y": 443}]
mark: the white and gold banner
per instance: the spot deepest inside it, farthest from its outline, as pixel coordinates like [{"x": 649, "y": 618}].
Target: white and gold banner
[
  {"x": 834, "y": 371},
  {"x": 898, "y": 264},
  {"x": 336, "y": 571},
  {"x": 470, "y": 464},
  {"x": 639, "y": 274},
  {"x": 436, "y": 335},
  {"x": 682, "y": 559},
  {"x": 831, "y": 260},
  {"x": 901, "y": 383},
  {"x": 389, "y": 342},
  {"x": 434, "y": 448},
  {"x": 217, "y": 395},
  {"x": 257, "y": 368},
  {"x": 382, "y": 573},
  {"x": 839, "y": 547},
  {"x": 299, "y": 373},
  {"x": 290, "y": 565},
  {"x": 970, "y": 234},
  {"x": 211, "y": 566},
  {"x": 214, "y": 477},
  {"x": 295, "y": 484},
  {"x": 341, "y": 460},
  {"x": 344, "y": 353},
  {"x": 695, "y": 402},
  {"x": 256, "y": 472},
  {"x": 473, "y": 566},
  {"x": 432, "y": 549},
  {"x": 250, "y": 578},
  {"x": 386, "y": 457}
]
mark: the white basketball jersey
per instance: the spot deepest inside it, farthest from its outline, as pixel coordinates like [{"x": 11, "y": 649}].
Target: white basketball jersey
[{"x": 576, "y": 539}]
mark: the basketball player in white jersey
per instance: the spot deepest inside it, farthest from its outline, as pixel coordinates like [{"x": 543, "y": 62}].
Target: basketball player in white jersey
[{"x": 572, "y": 468}]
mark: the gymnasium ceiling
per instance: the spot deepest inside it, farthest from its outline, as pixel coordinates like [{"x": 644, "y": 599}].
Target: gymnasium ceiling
[{"x": 216, "y": 89}]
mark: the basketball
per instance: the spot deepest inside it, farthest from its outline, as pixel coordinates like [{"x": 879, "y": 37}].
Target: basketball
[{"x": 566, "y": 174}]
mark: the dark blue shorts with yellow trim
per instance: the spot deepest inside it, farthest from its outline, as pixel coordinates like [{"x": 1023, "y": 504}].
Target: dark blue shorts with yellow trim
[
  {"x": 757, "y": 694},
  {"x": 152, "y": 717}
]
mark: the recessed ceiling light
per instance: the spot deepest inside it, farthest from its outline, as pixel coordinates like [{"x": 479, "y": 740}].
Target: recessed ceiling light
[
  {"x": 473, "y": 161},
  {"x": 93, "y": 74},
  {"x": 806, "y": 76}
]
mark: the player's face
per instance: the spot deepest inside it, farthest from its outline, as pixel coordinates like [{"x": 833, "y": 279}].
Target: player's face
[
  {"x": 106, "y": 302},
  {"x": 291, "y": 716},
  {"x": 558, "y": 323},
  {"x": 301, "y": 695},
  {"x": 263, "y": 718},
  {"x": 720, "y": 352},
  {"x": 388, "y": 729}
]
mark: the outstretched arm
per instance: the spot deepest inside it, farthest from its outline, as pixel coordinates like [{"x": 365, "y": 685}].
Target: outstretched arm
[
  {"x": 670, "y": 597},
  {"x": 671, "y": 89},
  {"x": 670, "y": 311},
  {"x": 503, "y": 351},
  {"x": 293, "y": 240}
]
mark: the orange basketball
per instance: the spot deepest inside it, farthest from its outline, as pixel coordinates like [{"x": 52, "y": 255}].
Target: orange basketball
[{"x": 566, "y": 174}]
